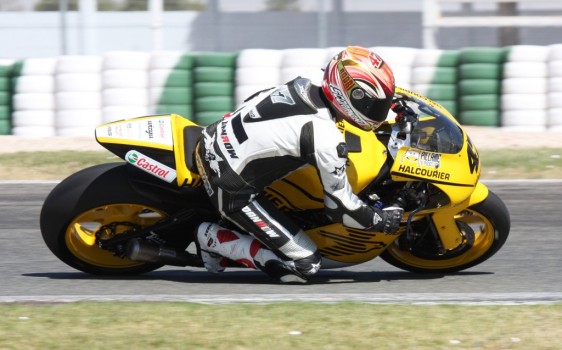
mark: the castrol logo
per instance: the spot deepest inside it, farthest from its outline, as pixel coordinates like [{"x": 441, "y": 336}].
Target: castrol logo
[{"x": 150, "y": 166}]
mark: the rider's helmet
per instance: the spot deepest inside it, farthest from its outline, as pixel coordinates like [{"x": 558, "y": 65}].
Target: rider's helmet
[{"x": 360, "y": 86}]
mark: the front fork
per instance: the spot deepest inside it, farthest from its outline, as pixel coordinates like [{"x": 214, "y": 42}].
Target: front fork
[
  {"x": 407, "y": 239},
  {"x": 445, "y": 230}
]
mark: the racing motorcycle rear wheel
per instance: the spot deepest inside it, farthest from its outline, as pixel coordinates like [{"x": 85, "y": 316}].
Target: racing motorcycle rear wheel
[
  {"x": 485, "y": 227},
  {"x": 96, "y": 204}
]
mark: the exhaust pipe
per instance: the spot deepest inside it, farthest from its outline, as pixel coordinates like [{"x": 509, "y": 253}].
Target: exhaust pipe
[{"x": 143, "y": 251}]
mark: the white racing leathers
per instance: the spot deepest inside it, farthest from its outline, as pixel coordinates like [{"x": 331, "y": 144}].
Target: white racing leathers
[{"x": 270, "y": 135}]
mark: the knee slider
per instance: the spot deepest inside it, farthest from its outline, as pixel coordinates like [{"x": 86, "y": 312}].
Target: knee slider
[{"x": 310, "y": 265}]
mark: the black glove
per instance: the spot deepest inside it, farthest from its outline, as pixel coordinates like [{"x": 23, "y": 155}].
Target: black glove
[
  {"x": 404, "y": 113},
  {"x": 388, "y": 220}
]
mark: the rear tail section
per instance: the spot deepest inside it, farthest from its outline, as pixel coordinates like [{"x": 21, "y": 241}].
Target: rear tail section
[{"x": 161, "y": 145}]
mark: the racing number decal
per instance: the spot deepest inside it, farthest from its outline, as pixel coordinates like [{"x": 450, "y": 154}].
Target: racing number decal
[{"x": 473, "y": 160}]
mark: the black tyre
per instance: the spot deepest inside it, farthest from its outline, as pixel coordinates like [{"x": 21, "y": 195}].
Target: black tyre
[
  {"x": 84, "y": 202},
  {"x": 486, "y": 226}
]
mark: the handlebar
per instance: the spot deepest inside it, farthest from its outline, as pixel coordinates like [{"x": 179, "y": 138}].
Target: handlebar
[{"x": 406, "y": 119}]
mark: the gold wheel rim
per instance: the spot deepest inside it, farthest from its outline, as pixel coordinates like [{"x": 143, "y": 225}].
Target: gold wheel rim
[
  {"x": 484, "y": 235},
  {"x": 80, "y": 234}
]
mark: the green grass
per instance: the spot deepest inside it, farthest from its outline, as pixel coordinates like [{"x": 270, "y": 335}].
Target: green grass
[
  {"x": 496, "y": 164},
  {"x": 49, "y": 165},
  {"x": 538, "y": 163},
  {"x": 119, "y": 325}
]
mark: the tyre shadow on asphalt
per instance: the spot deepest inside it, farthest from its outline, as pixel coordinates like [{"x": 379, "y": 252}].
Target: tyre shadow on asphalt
[{"x": 257, "y": 277}]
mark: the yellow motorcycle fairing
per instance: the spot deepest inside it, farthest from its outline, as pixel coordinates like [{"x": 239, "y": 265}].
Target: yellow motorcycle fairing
[
  {"x": 302, "y": 189},
  {"x": 161, "y": 138},
  {"x": 456, "y": 174},
  {"x": 339, "y": 244}
]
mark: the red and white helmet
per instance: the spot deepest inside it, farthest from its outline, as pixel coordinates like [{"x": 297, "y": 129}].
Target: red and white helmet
[{"x": 360, "y": 85}]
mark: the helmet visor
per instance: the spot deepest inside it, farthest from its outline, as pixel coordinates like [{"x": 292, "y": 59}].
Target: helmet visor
[{"x": 372, "y": 108}]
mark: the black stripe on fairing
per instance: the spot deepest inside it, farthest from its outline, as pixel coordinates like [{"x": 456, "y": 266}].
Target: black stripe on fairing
[
  {"x": 430, "y": 181},
  {"x": 308, "y": 195}
]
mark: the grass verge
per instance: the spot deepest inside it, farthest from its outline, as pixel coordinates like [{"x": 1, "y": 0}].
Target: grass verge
[
  {"x": 92, "y": 325},
  {"x": 540, "y": 163},
  {"x": 496, "y": 164},
  {"x": 49, "y": 165}
]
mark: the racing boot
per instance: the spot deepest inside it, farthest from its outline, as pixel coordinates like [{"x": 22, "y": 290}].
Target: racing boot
[
  {"x": 217, "y": 243},
  {"x": 284, "y": 271},
  {"x": 214, "y": 263}
]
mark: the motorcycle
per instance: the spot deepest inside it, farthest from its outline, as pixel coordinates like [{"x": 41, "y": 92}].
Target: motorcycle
[{"x": 136, "y": 216}]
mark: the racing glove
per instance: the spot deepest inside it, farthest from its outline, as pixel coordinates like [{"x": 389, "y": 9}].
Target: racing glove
[
  {"x": 388, "y": 220},
  {"x": 404, "y": 113}
]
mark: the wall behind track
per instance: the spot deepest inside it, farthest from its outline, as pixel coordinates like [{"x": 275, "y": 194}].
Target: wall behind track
[
  {"x": 37, "y": 34},
  {"x": 517, "y": 87}
]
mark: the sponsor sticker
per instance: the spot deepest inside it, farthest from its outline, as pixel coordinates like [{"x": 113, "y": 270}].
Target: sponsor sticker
[
  {"x": 259, "y": 222},
  {"x": 156, "y": 130},
  {"x": 415, "y": 162},
  {"x": 421, "y": 158},
  {"x": 226, "y": 141},
  {"x": 436, "y": 174},
  {"x": 151, "y": 166},
  {"x": 341, "y": 100},
  {"x": 430, "y": 159},
  {"x": 346, "y": 79}
]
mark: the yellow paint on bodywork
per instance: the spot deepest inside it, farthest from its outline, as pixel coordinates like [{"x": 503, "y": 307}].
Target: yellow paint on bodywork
[
  {"x": 303, "y": 190},
  {"x": 185, "y": 177}
]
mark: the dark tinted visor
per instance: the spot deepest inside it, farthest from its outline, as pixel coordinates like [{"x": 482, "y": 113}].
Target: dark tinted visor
[{"x": 369, "y": 106}]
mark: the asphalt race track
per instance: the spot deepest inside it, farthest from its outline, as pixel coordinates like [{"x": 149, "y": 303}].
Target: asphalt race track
[{"x": 527, "y": 270}]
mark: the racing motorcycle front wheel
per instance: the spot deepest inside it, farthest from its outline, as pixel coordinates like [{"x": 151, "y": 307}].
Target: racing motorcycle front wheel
[{"x": 485, "y": 227}]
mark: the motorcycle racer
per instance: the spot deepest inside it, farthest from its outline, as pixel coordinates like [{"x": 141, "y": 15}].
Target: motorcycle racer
[{"x": 275, "y": 132}]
